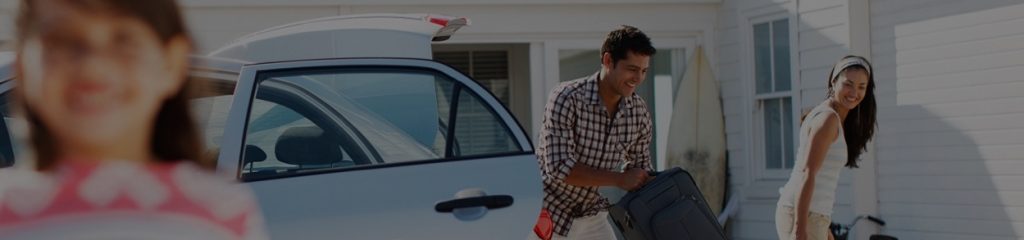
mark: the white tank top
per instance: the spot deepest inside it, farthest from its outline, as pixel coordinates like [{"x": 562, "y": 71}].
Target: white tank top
[{"x": 827, "y": 178}]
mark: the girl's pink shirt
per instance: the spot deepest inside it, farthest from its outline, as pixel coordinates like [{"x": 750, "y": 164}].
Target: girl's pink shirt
[{"x": 126, "y": 200}]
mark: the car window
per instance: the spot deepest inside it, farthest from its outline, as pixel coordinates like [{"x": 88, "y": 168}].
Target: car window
[
  {"x": 310, "y": 120},
  {"x": 210, "y": 109},
  {"x": 8, "y": 145},
  {"x": 211, "y": 114},
  {"x": 478, "y": 130}
]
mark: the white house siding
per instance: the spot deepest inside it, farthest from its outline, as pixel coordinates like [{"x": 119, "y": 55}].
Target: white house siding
[
  {"x": 822, "y": 37},
  {"x": 951, "y": 112},
  {"x": 727, "y": 72},
  {"x": 729, "y": 68}
]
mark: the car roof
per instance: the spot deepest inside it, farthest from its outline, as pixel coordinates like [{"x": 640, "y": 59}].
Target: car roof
[
  {"x": 216, "y": 64},
  {"x": 348, "y": 36}
]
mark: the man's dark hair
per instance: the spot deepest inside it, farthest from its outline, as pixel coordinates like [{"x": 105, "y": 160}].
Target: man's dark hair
[{"x": 627, "y": 39}]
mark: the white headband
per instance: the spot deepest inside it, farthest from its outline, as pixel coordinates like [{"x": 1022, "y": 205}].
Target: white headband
[{"x": 849, "y": 62}]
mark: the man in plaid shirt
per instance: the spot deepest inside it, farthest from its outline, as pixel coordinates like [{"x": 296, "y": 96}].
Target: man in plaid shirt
[{"x": 596, "y": 132}]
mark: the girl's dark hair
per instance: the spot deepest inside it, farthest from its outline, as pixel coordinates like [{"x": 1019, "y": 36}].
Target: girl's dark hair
[
  {"x": 175, "y": 134},
  {"x": 859, "y": 125}
]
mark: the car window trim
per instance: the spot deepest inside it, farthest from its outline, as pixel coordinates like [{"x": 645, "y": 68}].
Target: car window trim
[
  {"x": 453, "y": 110},
  {"x": 457, "y": 84},
  {"x": 521, "y": 137},
  {"x": 313, "y": 172},
  {"x": 6, "y": 85},
  {"x": 436, "y": 72}
]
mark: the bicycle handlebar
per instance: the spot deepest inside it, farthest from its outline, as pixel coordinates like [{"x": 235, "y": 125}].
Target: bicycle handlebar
[
  {"x": 880, "y": 222},
  {"x": 853, "y": 223},
  {"x": 842, "y": 231}
]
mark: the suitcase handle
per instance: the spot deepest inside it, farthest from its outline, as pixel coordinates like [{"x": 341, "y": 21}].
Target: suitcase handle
[{"x": 629, "y": 220}]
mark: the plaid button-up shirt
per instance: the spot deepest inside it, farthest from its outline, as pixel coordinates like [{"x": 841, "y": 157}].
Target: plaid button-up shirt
[{"x": 578, "y": 130}]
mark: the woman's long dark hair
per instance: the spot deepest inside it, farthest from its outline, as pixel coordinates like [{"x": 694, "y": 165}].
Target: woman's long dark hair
[
  {"x": 175, "y": 134},
  {"x": 859, "y": 125}
]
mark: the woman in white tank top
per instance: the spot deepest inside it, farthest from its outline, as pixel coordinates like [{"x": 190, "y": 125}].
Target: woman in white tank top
[{"x": 832, "y": 135}]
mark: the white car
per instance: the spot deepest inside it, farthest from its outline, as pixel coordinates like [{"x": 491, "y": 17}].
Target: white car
[{"x": 346, "y": 129}]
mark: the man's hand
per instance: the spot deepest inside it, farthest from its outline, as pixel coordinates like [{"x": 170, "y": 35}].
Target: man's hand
[{"x": 632, "y": 179}]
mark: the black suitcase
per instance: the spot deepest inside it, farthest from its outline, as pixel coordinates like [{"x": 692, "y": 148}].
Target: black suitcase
[{"x": 670, "y": 206}]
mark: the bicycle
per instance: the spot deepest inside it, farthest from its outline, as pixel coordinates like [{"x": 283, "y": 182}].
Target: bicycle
[{"x": 842, "y": 231}]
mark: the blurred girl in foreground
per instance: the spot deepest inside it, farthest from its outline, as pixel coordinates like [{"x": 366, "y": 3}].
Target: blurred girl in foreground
[{"x": 104, "y": 87}]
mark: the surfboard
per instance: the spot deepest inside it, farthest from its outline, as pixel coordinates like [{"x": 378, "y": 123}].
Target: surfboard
[{"x": 696, "y": 137}]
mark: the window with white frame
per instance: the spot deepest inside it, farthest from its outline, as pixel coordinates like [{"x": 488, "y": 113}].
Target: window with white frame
[{"x": 773, "y": 94}]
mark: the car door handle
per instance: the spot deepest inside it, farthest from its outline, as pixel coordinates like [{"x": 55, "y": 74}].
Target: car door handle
[{"x": 490, "y": 202}]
